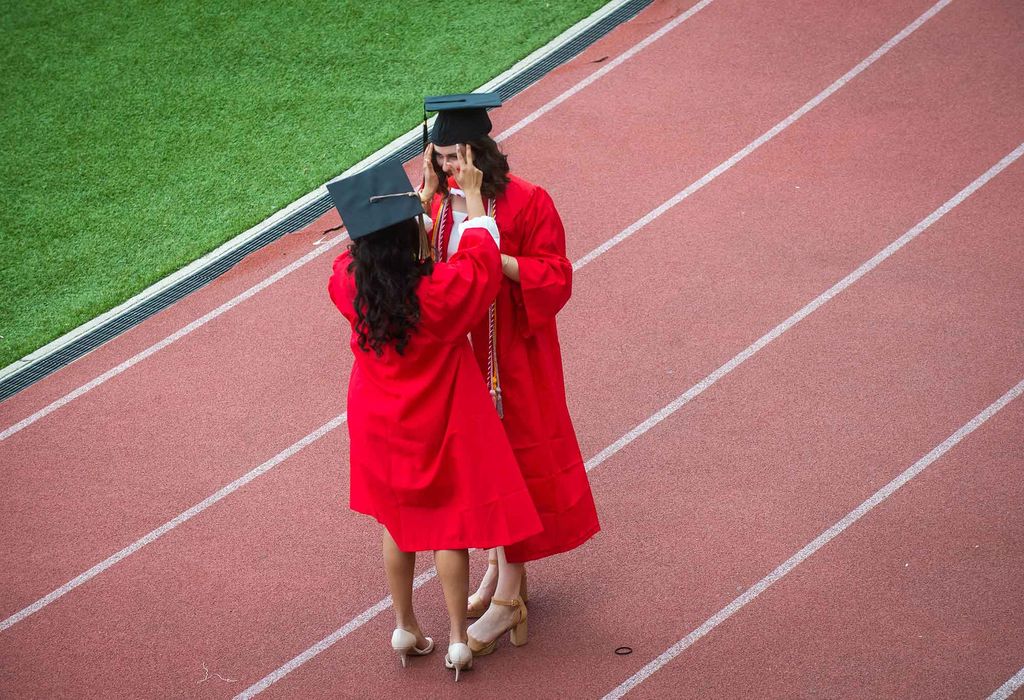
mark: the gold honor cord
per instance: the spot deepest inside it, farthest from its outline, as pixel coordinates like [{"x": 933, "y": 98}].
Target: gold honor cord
[
  {"x": 425, "y": 252},
  {"x": 440, "y": 242},
  {"x": 439, "y": 245},
  {"x": 493, "y": 380}
]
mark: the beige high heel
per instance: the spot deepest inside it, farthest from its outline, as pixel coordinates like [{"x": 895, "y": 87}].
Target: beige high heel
[
  {"x": 458, "y": 657},
  {"x": 477, "y": 607},
  {"x": 517, "y": 629},
  {"x": 404, "y": 644}
]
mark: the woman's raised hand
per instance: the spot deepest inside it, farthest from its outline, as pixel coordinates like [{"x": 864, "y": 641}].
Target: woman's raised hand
[
  {"x": 470, "y": 179},
  {"x": 467, "y": 175},
  {"x": 429, "y": 174}
]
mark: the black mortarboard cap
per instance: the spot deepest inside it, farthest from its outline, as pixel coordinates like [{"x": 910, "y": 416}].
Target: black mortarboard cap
[
  {"x": 374, "y": 199},
  {"x": 460, "y": 118}
]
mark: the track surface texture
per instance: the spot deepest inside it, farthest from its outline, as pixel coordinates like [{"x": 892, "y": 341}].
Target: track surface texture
[{"x": 793, "y": 357}]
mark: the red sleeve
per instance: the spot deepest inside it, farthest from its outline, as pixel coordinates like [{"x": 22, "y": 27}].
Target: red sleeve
[
  {"x": 342, "y": 286},
  {"x": 545, "y": 274},
  {"x": 458, "y": 292}
]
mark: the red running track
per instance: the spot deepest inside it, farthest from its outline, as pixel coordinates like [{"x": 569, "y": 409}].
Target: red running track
[
  {"x": 237, "y": 363},
  {"x": 707, "y": 502}
]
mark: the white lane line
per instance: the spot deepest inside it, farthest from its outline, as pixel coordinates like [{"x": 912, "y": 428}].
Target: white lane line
[
  {"x": 174, "y": 337},
  {"x": 637, "y": 48},
  {"x": 1009, "y": 687},
  {"x": 324, "y": 247},
  {"x": 329, "y": 641},
  {"x": 813, "y": 546},
  {"x": 171, "y": 524},
  {"x": 685, "y": 397},
  {"x": 763, "y": 138},
  {"x": 803, "y": 313}
]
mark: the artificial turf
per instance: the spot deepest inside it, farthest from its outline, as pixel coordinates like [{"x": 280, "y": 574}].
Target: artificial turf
[{"x": 138, "y": 136}]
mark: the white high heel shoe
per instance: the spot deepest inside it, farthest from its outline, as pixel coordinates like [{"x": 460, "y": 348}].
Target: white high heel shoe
[
  {"x": 404, "y": 644},
  {"x": 459, "y": 657}
]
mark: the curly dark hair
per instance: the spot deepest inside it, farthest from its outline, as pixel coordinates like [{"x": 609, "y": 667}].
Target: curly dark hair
[
  {"x": 490, "y": 161},
  {"x": 387, "y": 271}
]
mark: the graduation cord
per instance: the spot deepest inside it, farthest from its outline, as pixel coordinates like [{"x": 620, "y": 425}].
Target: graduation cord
[
  {"x": 440, "y": 240},
  {"x": 492, "y": 361},
  {"x": 426, "y": 252},
  {"x": 440, "y": 251},
  {"x": 493, "y": 379}
]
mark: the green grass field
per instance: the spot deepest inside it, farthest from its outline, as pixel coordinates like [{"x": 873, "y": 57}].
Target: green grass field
[{"x": 138, "y": 136}]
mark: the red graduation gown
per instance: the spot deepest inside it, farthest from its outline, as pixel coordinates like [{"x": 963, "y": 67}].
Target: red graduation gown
[
  {"x": 429, "y": 458},
  {"x": 536, "y": 418}
]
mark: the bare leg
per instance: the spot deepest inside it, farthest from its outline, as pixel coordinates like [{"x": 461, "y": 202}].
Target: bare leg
[
  {"x": 485, "y": 591},
  {"x": 499, "y": 617},
  {"x": 453, "y": 570},
  {"x": 400, "y": 567},
  {"x": 509, "y": 576}
]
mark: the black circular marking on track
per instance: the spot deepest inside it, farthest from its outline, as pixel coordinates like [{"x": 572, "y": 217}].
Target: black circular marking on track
[
  {"x": 299, "y": 219},
  {"x": 624, "y": 651}
]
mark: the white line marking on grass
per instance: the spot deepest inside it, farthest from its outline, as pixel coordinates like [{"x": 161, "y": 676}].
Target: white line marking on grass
[
  {"x": 817, "y": 543},
  {"x": 110, "y": 374},
  {"x": 682, "y": 400},
  {"x": 1009, "y": 687},
  {"x": 762, "y": 139},
  {"x": 171, "y": 524}
]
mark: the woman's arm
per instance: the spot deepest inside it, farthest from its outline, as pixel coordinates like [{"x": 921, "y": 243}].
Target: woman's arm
[
  {"x": 510, "y": 267},
  {"x": 545, "y": 274},
  {"x": 458, "y": 292}
]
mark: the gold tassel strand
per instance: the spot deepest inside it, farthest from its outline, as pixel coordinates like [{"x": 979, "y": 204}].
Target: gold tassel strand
[{"x": 493, "y": 379}]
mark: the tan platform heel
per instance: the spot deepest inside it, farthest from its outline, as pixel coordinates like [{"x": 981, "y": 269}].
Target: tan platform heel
[{"x": 517, "y": 629}]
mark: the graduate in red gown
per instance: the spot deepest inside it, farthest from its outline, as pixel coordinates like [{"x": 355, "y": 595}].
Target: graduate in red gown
[
  {"x": 429, "y": 457},
  {"x": 516, "y": 346}
]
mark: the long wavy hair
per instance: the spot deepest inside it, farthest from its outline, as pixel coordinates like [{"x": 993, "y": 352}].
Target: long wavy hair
[
  {"x": 490, "y": 161},
  {"x": 387, "y": 271}
]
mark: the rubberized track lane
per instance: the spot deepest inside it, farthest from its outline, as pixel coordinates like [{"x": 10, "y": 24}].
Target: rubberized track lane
[
  {"x": 794, "y": 217},
  {"x": 256, "y": 579},
  {"x": 877, "y": 190},
  {"x": 718, "y": 495},
  {"x": 199, "y": 413},
  {"x": 688, "y": 102},
  {"x": 921, "y": 599}
]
